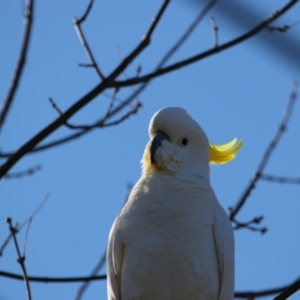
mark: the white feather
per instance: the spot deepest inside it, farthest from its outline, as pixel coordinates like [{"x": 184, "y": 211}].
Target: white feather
[{"x": 172, "y": 239}]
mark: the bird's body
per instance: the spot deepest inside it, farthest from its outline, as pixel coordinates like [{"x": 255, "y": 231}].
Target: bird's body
[{"x": 172, "y": 239}]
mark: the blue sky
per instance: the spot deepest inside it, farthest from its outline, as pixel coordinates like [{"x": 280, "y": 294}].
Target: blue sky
[{"x": 241, "y": 92}]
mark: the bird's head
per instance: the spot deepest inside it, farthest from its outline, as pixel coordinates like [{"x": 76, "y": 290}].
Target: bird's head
[{"x": 178, "y": 144}]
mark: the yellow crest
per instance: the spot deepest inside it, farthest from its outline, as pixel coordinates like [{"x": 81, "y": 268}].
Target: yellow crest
[{"x": 222, "y": 154}]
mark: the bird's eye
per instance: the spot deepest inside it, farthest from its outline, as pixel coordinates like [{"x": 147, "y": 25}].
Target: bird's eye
[{"x": 184, "y": 141}]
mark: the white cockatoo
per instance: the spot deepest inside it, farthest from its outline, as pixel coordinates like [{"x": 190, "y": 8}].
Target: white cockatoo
[{"x": 172, "y": 240}]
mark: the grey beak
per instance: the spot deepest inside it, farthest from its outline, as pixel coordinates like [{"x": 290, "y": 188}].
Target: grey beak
[{"x": 156, "y": 143}]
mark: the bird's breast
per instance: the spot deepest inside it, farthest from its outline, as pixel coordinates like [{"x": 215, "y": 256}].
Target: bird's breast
[{"x": 169, "y": 244}]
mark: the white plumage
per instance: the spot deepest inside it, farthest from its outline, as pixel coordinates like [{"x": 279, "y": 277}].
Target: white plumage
[{"x": 172, "y": 240}]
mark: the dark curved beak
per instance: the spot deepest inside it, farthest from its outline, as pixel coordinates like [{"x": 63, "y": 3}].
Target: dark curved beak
[{"x": 156, "y": 143}]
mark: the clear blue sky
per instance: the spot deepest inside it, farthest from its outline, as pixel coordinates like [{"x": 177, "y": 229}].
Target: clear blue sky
[{"x": 241, "y": 92}]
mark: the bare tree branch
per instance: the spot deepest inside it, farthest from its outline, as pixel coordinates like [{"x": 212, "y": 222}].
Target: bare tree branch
[
  {"x": 85, "y": 129},
  {"x": 125, "y": 116},
  {"x": 28, "y": 146},
  {"x": 77, "y": 24},
  {"x": 21, "y": 174},
  {"x": 101, "y": 261},
  {"x": 265, "y": 158},
  {"x": 94, "y": 272},
  {"x": 21, "y": 259},
  {"x": 280, "y": 179},
  {"x": 188, "y": 61},
  {"x": 86, "y": 13},
  {"x": 137, "y": 70},
  {"x": 36, "y": 211},
  {"x": 101, "y": 122},
  {"x": 6, "y": 241},
  {"x": 289, "y": 291},
  {"x": 52, "y": 279},
  {"x": 26, "y": 237},
  {"x": 237, "y": 294},
  {"x": 55, "y": 107},
  {"x": 19, "y": 227},
  {"x": 51, "y": 144},
  {"x": 283, "y": 28},
  {"x": 165, "y": 58},
  {"x": 257, "y": 294},
  {"x": 249, "y": 225},
  {"x": 111, "y": 103},
  {"x": 28, "y": 20}
]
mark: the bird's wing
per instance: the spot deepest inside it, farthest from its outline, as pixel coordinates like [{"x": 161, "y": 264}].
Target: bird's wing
[
  {"x": 224, "y": 243},
  {"x": 114, "y": 258}
]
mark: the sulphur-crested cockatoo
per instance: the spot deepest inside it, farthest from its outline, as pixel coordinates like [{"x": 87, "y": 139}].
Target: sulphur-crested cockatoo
[{"x": 172, "y": 240}]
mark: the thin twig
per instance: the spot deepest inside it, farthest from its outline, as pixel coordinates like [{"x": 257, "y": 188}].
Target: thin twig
[
  {"x": 265, "y": 158},
  {"x": 215, "y": 30},
  {"x": 54, "y": 106},
  {"x": 26, "y": 237},
  {"x": 101, "y": 261},
  {"x": 94, "y": 272},
  {"x": 85, "y": 65},
  {"x": 197, "y": 57},
  {"x": 21, "y": 174},
  {"x": 125, "y": 116},
  {"x": 29, "y": 145},
  {"x": 280, "y": 179},
  {"x": 28, "y": 20},
  {"x": 60, "y": 113},
  {"x": 138, "y": 70},
  {"x": 101, "y": 122},
  {"x": 19, "y": 227},
  {"x": 249, "y": 225},
  {"x": 98, "y": 266},
  {"x": 111, "y": 103},
  {"x": 21, "y": 259},
  {"x": 6, "y": 241},
  {"x": 35, "y": 212},
  {"x": 66, "y": 138},
  {"x": 283, "y": 28},
  {"x": 84, "y": 43}
]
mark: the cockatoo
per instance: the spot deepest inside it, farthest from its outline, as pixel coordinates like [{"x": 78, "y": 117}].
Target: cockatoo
[{"x": 172, "y": 240}]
